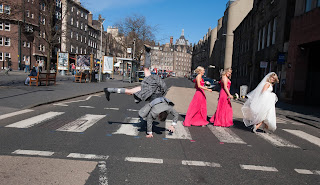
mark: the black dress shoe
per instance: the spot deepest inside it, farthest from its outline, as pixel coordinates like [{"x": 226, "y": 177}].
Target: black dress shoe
[{"x": 107, "y": 93}]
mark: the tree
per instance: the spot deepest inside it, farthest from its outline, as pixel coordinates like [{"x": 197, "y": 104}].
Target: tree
[{"x": 135, "y": 29}]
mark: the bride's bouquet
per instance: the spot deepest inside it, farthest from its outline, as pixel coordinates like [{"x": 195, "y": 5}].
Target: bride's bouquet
[{"x": 235, "y": 96}]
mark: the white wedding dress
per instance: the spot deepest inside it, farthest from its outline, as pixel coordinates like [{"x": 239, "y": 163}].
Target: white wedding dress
[{"x": 260, "y": 107}]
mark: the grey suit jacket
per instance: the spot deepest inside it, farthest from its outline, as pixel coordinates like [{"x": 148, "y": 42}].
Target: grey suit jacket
[{"x": 151, "y": 111}]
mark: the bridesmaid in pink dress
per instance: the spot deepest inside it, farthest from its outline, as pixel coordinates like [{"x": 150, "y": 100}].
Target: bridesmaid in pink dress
[
  {"x": 223, "y": 115},
  {"x": 197, "y": 111}
]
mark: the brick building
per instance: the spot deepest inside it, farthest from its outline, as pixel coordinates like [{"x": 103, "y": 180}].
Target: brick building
[
  {"x": 303, "y": 68},
  {"x": 21, "y": 32}
]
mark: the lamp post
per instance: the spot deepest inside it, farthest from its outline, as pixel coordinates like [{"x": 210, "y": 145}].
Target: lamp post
[{"x": 101, "y": 20}]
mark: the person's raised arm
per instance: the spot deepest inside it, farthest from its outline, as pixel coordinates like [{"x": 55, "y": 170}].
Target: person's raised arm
[{"x": 225, "y": 86}]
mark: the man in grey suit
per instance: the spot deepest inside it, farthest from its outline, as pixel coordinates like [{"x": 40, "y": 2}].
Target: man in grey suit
[
  {"x": 158, "y": 108},
  {"x": 152, "y": 86}
]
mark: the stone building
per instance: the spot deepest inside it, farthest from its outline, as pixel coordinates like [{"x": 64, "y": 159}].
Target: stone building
[
  {"x": 222, "y": 52},
  {"x": 303, "y": 69},
  {"x": 115, "y": 43},
  {"x": 173, "y": 57},
  {"x": 270, "y": 42},
  {"x": 242, "y": 52}
]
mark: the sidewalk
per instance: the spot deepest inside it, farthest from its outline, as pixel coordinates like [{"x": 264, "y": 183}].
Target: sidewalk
[
  {"x": 15, "y": 95},
  {"x": 304, "y": 114}
]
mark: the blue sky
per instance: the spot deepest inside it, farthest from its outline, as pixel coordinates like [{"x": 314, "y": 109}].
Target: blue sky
[{"x": 170, "y": 16}]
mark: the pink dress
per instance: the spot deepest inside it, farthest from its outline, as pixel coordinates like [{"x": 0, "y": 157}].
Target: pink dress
[
  {"x": 223, "y": 115},
  {"x": 197, "y": 111}
]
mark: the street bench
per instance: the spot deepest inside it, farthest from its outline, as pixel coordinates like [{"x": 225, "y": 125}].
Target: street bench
[
  {"x": 79, "y": 77},
  {"x": 43, "y": 77}
]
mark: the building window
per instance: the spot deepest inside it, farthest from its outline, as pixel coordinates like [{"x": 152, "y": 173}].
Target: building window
[
  {"x": 71, "y": 22},
  {"x": 86, "y": 16},
  {"x": 28, "y": 44},
  {"x": 81, "y": 14},
  {"x": 71, "y": 9},
  {"x": 40, "y": 47},
  {"x": 1, "y": 41},
  {"x": 263, "y": 36},
  {"x": 77, "y": 36},
  {"x": 7, "y": 55},
  {"x": 308, "y": 5},
  {"x": 71, "y": 49},
  {"x": 85, "y": 28},
  {"x": 77, "y": 24},
  {"x": 28, "y": 13},
  {"x": 7, "y": 26},
  {"x": 1, "y": 25},
  {"x": 274, "y": 30},
  {"x": 32, "y": 16},
  {"x": 43, "y": 48},
  {"x": 24, "y": 43},
  {"x": 81, "y": 27},
  {"x": 269, "y": 33},
  {"x": 7, "y": 41},
  {"x": 71, "y": 34},
  {"x": 1, "y": 56},
  {"x": 259, "y": 40},
  {"x": 1, "y": 10},
  {"x": 7, "y": 9}
]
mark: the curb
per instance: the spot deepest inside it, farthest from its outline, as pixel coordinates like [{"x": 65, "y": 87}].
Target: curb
[{"x": 301, "y": 120}]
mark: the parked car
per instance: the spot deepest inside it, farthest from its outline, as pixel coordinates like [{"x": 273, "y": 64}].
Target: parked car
[
  {"x": 213, "y": 83},
  {"x": 140, "y": 76}
]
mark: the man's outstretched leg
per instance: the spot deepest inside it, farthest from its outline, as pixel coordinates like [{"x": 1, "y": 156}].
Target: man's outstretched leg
[{"x": 108, "y": 91}]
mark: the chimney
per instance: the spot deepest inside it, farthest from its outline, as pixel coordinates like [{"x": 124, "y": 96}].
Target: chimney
[
  {"x": 90, "y": 19},
  {"x": 171, "y": 40}
]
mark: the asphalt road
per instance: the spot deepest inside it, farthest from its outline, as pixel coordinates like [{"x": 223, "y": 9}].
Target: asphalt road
[{"x": 50, "y": 145}]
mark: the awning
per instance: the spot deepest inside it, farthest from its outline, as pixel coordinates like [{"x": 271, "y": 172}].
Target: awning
[{"x": 117, "y": 64}]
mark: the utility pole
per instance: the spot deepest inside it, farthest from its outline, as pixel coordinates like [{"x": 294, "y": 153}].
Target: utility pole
[
  {"x": 134, "y": 48},
  {"x": 101, "y": 20}
]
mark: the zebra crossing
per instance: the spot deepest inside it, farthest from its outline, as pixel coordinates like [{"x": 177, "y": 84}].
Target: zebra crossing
[{"x": 131, "y": 126}]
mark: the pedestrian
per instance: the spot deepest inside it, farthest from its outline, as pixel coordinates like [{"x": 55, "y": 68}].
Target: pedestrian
[
  {"x": 223, "y": 115},
  {"x": 73, "y": 68},
  {"x": 158, "y": 108},
  {"x": 27, "y": 66},
  {"x": 197, "y": 111},
  {"x": 32, "y": 73},
  {"x": 40, "y": 66},
  {"x": 259, "y": 109},
  {"x": 152, "y": 86}
]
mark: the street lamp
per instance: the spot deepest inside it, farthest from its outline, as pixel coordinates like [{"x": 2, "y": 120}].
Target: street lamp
[{"x": 101, "y": 20}]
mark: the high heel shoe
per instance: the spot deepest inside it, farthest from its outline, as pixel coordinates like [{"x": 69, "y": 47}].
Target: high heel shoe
[{"x": 254, "y": 129}]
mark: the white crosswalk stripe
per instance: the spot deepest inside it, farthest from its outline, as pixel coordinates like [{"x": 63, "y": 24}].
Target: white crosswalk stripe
[
  {"x": 303, "y": 135},
  {"x": 276, "y": 140},
  {"x": 180, "y": 132},
  {"x": 4, "y": 116},
  {"x": 87, "y": 156},
  {"x": 33, "y": 152},
  {"x": 129, "y": 127},
  {"x": 81, "y": 124},
  {"x": 35, "y": 120},
  {"x": 225, "y": 135}
]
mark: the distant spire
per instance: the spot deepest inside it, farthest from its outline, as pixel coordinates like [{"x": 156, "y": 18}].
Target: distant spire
[{"x": 182, "y": 34}]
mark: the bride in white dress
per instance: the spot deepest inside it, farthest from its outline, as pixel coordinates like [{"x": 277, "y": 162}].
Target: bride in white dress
[{"x": 259, "y": 109}]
